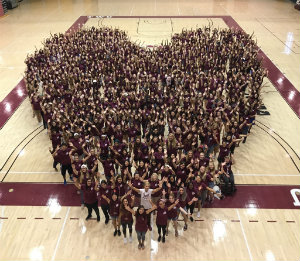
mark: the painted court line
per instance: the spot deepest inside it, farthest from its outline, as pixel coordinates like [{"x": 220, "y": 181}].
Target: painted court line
[
  {"x": 245, "y": 238},
  {"x": 60, "y": 235},
  {"x": 1, "y": 221}
]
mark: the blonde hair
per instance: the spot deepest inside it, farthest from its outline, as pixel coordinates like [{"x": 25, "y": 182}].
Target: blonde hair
[
  {"x": 154, "y": 175},
  {"x": 171, "y": 142}
]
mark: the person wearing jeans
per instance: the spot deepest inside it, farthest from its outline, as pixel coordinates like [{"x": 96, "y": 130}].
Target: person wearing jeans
[
  {"x": 227, "y": 175},
  {"x": 141, "y": 225},
  {"x": 105, "y": 192}
]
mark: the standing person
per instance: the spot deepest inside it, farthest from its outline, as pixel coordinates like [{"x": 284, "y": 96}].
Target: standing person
[
  {"x": 191, "y": 194},
  {"x": 184, "y": 201},
  {"x": 162, "y": 219},
  {"x": 125, "y": 217},
  {"x": 105, "y": 195},
  {"x": 227, "y": 175},
  {"x": 224, "y": 151},
  {"x": 62, "y": 155},
  {"x": 146, "y": 193},
  {"x": 55, "y": 138},
  {"x": 172, "y": 214},
  {"x": 114, "y": 210},
  {"x": 36, "y": 107},
  {"x": 141, "y": 226},
  {"x": 154, "y": 184},
  {"x": 90, "y": 197}
]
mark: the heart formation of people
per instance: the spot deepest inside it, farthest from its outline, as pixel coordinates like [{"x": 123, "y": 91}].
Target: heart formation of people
[{"x": 163, "y": 122}]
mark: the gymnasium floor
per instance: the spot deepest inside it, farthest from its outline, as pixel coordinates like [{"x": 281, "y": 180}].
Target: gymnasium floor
[{"x": 40, "y": 219}]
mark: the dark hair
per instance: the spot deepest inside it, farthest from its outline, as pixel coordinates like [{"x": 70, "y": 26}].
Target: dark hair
[
  {"x": 122, "y": 208},
  {"x": 137, "y": 213},
  {"x": 103, "y": 182}
]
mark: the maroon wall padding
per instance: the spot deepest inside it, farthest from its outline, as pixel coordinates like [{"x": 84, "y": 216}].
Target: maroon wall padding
[{"x": 1, "y": 9}]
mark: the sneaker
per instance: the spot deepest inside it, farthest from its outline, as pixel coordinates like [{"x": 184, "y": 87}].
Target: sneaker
[
  {"x": 130, "y": 239},
  {"x": 119, "y": 233},
  {"x": 65, "y": 182},
  {"x": 82, "y": 206},
  {"x": 115, "y": 233},
  {"x": 71, "y": 178},
  {"x": 167, "y": 232},
  {"x": 163, "y": 240},
  {"x": 98, "y": 219},
  {"x": 88, "y": 217},
  {"x": 159, "y": 239},
  {"x": 150, "y": 228},
  {"x": 106, "y": 221},
  {"x": 185, "y": 227},
  {"x": 143, "y": 246},
  {"x": 191, "y": 218},
  {"x": 176, "y": 233},
  {"x": 139, "y": 246},
  {"x": 125, "y": 240},
  {"x": 198, "y": 214}
]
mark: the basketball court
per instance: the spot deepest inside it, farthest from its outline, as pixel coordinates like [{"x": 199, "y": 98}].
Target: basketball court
[{"x": 40, "y": 219}]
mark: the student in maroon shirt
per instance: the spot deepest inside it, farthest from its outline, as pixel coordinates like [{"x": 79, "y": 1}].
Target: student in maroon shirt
[
  {"x": 203, "y": 161},
  {"x": 141, "y": 225},
  {"x": 227, "y": 175},
  {"x": 174, "y": 212},
  {"x": 184, "y": 201},
  {"x": 105, "y": 192},
  {"x": 36, "y": 107},
  {"x": 120, "y": 186},
  {"x": 114, "y": 210},
  {"x": 224, "y": 151},
  {"x": 62, "y": 155},
  {"x": 55, "y": 138},
  {"x": 125, "y": 217},
  {"x": 191, "y": 194},
  {"x": 77, "y": 143},
  {"x": 162, "y": 219},
  {"x": 90, "y": 197}
]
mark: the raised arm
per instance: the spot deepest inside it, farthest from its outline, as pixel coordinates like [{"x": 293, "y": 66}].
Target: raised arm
[
  {"x": 133, "y": 188},
  {"x": 173, "y": 205}
]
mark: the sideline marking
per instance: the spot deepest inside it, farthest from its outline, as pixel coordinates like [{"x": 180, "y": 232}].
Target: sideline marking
[
  {"x": 246, "y": 241},
  {"x": 60, "y": 235}
]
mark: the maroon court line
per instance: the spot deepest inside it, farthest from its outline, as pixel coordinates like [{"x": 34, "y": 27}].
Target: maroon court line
[
  {"x": 18, "y": 94},
  {"x": 247, "y": 196},
  {"x": 11, "y": 102}
]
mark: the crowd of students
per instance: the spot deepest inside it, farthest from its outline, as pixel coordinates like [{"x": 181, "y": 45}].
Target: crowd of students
[{"x": 163, "y": 123}]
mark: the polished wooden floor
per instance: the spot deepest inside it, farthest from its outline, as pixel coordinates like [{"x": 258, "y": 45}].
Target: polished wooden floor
[{"x": 61, "y": 233}]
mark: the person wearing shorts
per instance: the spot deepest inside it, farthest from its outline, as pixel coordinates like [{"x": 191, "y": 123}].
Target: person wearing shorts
[{"x": 114, "y": 207}]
